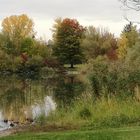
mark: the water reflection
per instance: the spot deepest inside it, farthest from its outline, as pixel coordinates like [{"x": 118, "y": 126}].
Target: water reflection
[
  {"x": 67, "y": 90},
  {"x": 45, "y": 108},
  {"x": 24, "y": 99}
]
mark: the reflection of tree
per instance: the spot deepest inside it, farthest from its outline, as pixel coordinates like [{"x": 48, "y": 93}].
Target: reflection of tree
[
  {"x": 18, "y": 95},
  {"x": 12, "y": 102},
  {"x": 67, "y": 90},
  {"x": 12, "y": 95}
]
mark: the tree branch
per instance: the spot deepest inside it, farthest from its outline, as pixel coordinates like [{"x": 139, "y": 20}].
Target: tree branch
[{"x": 130, "y": 5}]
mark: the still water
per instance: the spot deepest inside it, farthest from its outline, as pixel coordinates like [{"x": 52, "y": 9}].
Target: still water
[{"x": 23, "y": 100}]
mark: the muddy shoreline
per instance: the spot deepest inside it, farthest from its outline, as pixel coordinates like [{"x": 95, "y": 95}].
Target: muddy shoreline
[{"x": 13, "y": 130}]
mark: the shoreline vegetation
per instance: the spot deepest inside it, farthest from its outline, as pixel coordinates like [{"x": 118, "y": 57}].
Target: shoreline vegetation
[{"x": 85, "y": 116}]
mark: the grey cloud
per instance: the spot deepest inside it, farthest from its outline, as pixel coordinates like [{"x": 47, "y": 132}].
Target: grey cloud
[
  {"x": 45, "y": 11},
  {"x": 101, "y": 9}
]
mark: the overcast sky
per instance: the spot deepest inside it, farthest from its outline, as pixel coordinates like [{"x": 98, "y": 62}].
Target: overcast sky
[{"x": 106, "y": 13}]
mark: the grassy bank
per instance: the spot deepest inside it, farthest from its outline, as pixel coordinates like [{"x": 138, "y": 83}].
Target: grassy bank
[
  {"x": 131, "y": 133},
  {"x": 86, "y": 112}
]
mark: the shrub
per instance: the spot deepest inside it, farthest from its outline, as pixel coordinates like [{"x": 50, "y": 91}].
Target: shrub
[
  {"x": 113, "y": 78},
  {"x": 41, "y": 119},
  {"x": 85, "y": 113}
]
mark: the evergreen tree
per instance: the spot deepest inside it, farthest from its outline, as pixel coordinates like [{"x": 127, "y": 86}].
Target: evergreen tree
[{"x": 67, "y": 37}]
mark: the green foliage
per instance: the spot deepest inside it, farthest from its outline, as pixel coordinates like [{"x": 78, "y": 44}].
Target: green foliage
[
  {"x": 133, "y": 57},
  {"x": 41, "y": 119},
  {"x": 103, "y": 112},
  {"x": 85, "y": 113},
  {"x": 31, "y": 68},
  {"x": 129, "y": 37},
  {"x": 68, "y": 91},
  {"x": 98, "y": 41},
  {"x": 20, "y": 51},
  {"x": 113, "y": 78},
  {"x": 26, "y": 45},
  {"x": 4, "y": 60},
  {"x": 67, "y": 36}
]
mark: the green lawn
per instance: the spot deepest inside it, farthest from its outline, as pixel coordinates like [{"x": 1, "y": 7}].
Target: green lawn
[{"x": 131, "y": 133}]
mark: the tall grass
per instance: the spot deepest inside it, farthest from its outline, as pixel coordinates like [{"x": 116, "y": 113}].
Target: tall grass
[{"x": 104, "y": 112}]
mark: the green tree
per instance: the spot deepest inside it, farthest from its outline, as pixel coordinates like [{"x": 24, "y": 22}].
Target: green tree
[
  {"x": 67, "y": 36},
  {"x": 99, "y": 41},
  {"x": 26, "y": 45},
  {"x": 133, "y": 57},
  {"x": 129, "y": 37}
]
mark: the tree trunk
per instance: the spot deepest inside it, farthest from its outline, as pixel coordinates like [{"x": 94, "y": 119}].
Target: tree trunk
[
  {"x": 72, "y": 79},
  {"x": 71, "y": 65}
]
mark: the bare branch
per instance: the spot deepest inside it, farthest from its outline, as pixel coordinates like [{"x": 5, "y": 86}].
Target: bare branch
[
  {"x": 127, "y": 19},
  {"x": 130, "y": 5}
]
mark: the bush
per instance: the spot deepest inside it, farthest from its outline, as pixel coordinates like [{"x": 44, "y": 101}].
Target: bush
[
  {"x": 116, "y": 121},
  {"x": 41, "y": 119},
  {"x": 113, "y": 78},
  {"x": 85, "y": 113},
  {"x": 31, "y": 68}
]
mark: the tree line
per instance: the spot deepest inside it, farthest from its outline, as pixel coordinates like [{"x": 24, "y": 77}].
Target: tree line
[{"x": 71, "y": 43}]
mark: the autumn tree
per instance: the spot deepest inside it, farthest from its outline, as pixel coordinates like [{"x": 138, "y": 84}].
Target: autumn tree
[
  {"x": 15, "y": 29},
  {"x": 129, "y": 37},
  {"x": 67, "y": 36},
  {"x": 99, "y": 41}
]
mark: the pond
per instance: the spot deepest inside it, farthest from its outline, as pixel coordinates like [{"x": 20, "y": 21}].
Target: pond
[{"x": 22, "y": 100}]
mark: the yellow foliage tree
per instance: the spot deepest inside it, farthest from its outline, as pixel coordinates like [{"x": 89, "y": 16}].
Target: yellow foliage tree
[
  {"x": 16, "y": 28},
  {"x": 122, "y": 43},
  {"x": 129, "y": 37}
]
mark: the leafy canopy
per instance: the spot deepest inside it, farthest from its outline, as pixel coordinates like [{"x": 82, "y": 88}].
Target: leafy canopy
[{"x": 67, "y": 37}]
